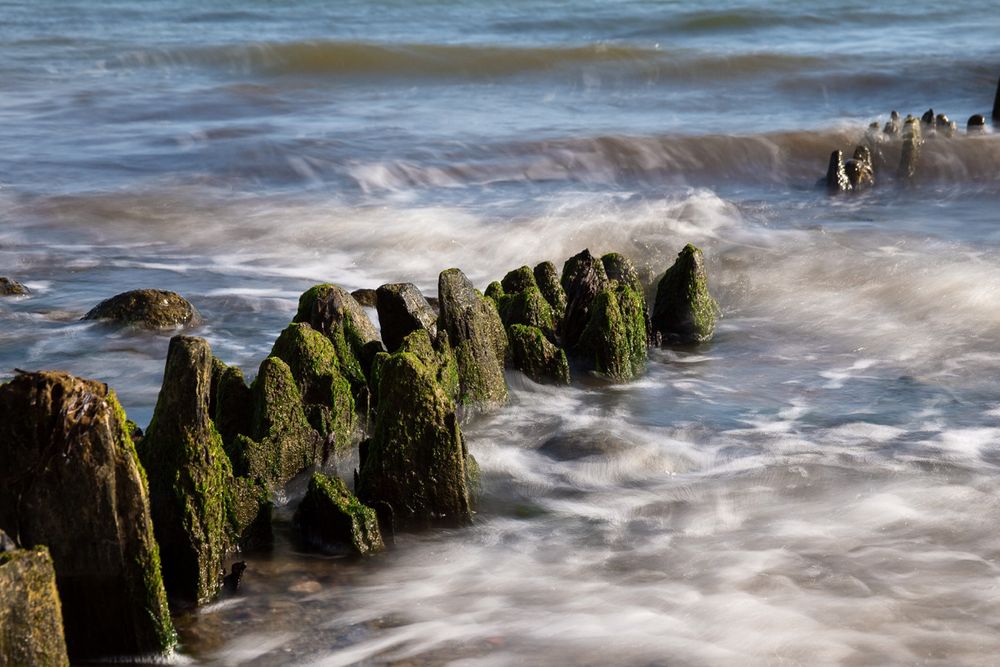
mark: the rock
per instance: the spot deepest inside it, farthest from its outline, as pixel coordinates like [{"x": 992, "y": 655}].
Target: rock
[
  {"x": 518, "y": 280},
  {"x": 190, "y": 476},
  {"x": 149, "y": 308},
  {"x": 231, "y": 582},
  {"x": 10, "y": 287},
  {"x": 547, "y": 279},
  {"x": 684, "y": 311},
  {"x": 337, "y": 315},
  {"x": 583, "y": 278},
  {"x": 437, "y": 356},
  {"x": 477, "y": 337},
  {"x": 70, "y": 479},
  {"x": 365, "y": 297},
  {"x": 332, "y": 520},
  {"x": 523, "y": 303},
  {"x": 619, "y": 267},
  {"x": 402, "y": 309},
  {"x": 31, "y": 631},
  {"x": 533, "y": 354},
  {"x": 976, "y": 124},
  {"x": 615, "y": 339},
  {"x": 230, "y": 405},
  {"x": 282, "y": 443},
  {"x": 911, "y": 149},
  {"x": 928, "y": 118},
  {"x": 413, "y": 469},
  {"x": 859, "y": 169},
  {"x": 944, "y": 126},
  {"x": 996, "y": 107},
  {"x": 326, "y": 394},
  {"x": 836, "y": 175},
  {"x": 892, "y": 125}
]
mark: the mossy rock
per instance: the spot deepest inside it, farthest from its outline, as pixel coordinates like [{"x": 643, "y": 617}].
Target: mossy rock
[
  {"x": 231, "y": 405},
  {"x": 336, "y": 314},
  {"x": 190, "y": 476},
  {"x": 615, "y": 339},
  {"x": 477, "y": 336},
  {"x": 547, "y": 279},
  {"x": 437, "y": 356},
  {"x": 148, "y": 308},
  {"x": 402, "y": 309},
  {"x": 414, "y": 463},
  {"x": 31, "y": 631},
  {"x": 533, "y": 354},
  {"x": 326, "y": 394},
  {"x": 685, "y": 311},
  {"x": 332, "y": 520},
  {"x": 583, "y": 278},
  {"x": 10, "y": 287},
  {"x": 619, "y": 268},
  {"x": 519, "y": 301},
  {"x": 518, "y": 280},
  {"x": 251, "y": 513},
  {"x": 91, "y": 510},
  {"x": 282, "y": 442}
]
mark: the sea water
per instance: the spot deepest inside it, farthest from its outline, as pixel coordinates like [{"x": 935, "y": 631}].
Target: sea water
[{"x": 817, "y": 486}]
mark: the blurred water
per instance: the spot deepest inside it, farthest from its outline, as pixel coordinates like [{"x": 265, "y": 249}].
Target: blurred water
[{"x": 817, "y": 486}]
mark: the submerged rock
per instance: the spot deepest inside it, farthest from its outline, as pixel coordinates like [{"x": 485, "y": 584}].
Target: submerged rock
[
  {"x": 534, "y": 355},
  {"x": 190, "y": 476},
  {"x": 331, "y": 519},
  {"x": 402, "y": 309},
  {"x": 325, "y": 392},
  {"x": 31, "y": 631},
  {"x": 413, "y": 469},
  {"x": 684, "y": 311},
  {"x": 70, "y": 479},
  {"x": 477, "y": 337},
  {"x": 10, "y": 287},
  {"x": 149, "y": 308}
]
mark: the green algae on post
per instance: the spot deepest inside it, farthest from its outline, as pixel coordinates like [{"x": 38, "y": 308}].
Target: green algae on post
[
  {"x": 685, "y": 311},
  {"x": 330, "y": 518},
  {"x": 112, "y": 594}
]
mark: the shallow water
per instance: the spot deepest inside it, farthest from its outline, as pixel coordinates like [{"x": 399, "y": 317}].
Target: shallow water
[{"x": 817, "y": 486}]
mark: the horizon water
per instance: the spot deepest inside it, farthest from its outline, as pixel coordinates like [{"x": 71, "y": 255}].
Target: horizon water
[{"x": 816, "y": 486}]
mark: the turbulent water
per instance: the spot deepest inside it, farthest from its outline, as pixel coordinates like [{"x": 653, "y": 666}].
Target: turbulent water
[{"x": 820, "y": 485}]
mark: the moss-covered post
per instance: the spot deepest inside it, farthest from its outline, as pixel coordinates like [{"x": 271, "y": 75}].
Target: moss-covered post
[
  {"x": 685, "y": 311},
  {"x": 335, "y": 313},
  {"x": 91, "y": 510},
  {"x": 477, "y": 337},
  {"x": 332, "y": 520},
  {"x": 190, "y": 476},
  {"x": 282, "y": 442},
  {"x": 31, "y": 630},
  {"x": 402, "y": 309},
  {"x": 325, "y": 392},
  {"x": 415, "y": 461}
]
